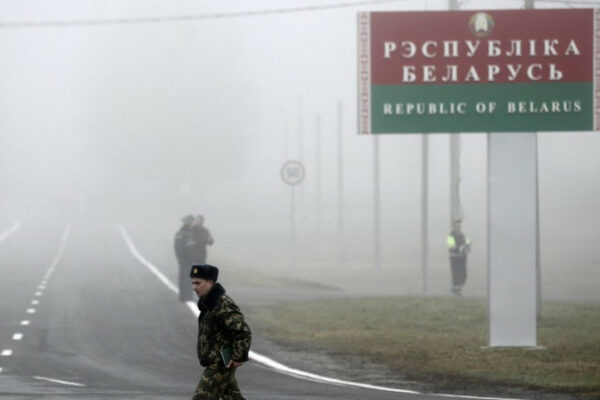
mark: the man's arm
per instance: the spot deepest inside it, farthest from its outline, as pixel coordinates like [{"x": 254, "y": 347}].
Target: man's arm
[{"x": 239, "y": 331}]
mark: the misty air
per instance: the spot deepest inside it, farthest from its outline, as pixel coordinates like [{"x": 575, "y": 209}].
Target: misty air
[{"x": 300, "y": 199}]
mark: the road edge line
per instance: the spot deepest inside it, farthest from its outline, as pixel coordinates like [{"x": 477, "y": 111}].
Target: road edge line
[
  {"x": 7, "y": 233},
  {"x": 43, "y": 378},
  {"x": 270, "y": 363}
]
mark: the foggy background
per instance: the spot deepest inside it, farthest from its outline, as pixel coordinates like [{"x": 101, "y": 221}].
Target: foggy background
[{"x": 143, "y": 123}]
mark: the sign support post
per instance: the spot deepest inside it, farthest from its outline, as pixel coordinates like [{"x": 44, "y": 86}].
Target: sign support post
[
  {"x": 512, "y": 239},
  {"x": 511, "y": 73},
  {"x": 292, "y": 172},
  {"x": 514, "y": 297}
]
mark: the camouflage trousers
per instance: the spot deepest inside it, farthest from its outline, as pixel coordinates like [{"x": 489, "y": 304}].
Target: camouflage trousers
[{"x": 218, "y": 382}]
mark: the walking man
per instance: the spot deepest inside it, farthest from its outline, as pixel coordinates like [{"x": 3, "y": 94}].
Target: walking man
[
  {"x": 184, "y": 246},
  {"x": 223, "y": 337},
  {"x": 202, "y": 238},
  {"x": 458, "y": 247}
]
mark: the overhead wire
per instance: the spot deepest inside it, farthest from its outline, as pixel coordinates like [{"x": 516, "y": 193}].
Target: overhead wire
[
  {"x": 184, "y": 18},
  {"x": 223, "y": 15}
]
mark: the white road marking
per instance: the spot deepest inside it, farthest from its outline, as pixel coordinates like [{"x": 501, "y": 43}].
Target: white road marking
[
  {"x": 254, "y": 356},
  {"x": 302, "y": 374},
  {"x": 194, "y": 307},
  {"x": 462, "y": 396},
  {"x": 42, "y": 286},
  {"x": 147, "y": 263},
  {"x": 48, "y": 274},
  {"x": 55, "y": 261},
  {"x": 15, "y": 227},
  {"x": 274, "y": 364},
  {"x": 43, "y": 378}
]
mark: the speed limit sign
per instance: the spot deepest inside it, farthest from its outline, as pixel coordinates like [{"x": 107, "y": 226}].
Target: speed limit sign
[{"x": 292, "y": 172}]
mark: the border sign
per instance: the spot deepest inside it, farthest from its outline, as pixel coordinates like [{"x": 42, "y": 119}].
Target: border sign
[
  {"x": 479, "y": 71},
  {"x": 292, "y": 172}
]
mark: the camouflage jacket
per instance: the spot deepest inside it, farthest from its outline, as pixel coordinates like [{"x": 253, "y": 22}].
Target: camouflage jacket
[{"x": 221, "y": 325}]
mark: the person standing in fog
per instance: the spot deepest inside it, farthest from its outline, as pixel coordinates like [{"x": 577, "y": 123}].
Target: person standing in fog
[
  {"x": 458, "y": 247},
  {"x": 184, "y": 249},
  {"x": 202, "y": 238},
  {"x": 223, "y": 337}
]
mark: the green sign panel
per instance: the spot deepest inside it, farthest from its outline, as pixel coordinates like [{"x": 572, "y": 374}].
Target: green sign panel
[{"x": 479, "y": 71}]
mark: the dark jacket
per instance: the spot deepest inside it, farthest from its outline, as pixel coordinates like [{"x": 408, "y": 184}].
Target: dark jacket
[
  {"x": 184, "y": 243},
  {"x": 201, "y": 238},
  {"x": 221, "y": 325}
]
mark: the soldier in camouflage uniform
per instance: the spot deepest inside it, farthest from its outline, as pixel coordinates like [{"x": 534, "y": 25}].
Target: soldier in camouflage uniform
[{"x": 221, "y": 329}]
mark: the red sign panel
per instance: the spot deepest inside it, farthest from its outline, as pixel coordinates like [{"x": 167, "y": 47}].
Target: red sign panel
[{"x": 492, "y": 70}]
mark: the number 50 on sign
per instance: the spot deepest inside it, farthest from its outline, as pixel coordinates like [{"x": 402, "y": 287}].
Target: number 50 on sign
[{"x": 292, "y": 172}]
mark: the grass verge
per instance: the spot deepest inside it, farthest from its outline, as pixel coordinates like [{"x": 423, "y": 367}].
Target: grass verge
[{"x": 441, "y": 341}]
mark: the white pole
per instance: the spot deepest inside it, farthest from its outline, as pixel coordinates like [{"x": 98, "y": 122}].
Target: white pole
[
  {"x": 424, "y": 210},
  {"x": 376, "y": 206},
  {"x": 318, "y": 171},
  {"x": 341, "y": 259},
  {"x": 293, "y": 229},
  {"x": 455, "y": 206},
  {"x": 530, "y": 4}
]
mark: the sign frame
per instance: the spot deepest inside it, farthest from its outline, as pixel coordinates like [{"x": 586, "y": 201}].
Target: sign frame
[{"x": 516, "y": 110}]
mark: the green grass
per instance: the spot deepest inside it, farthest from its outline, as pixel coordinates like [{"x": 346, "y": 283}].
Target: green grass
[{"x": 442, "y": 341}]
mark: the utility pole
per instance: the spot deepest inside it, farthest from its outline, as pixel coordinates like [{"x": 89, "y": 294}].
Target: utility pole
[
  {"x": 453, "y": 4},
  {"x": 300, "y": 132},
  {"x": 301, "y": 192},
  {"x": 456, "y": 213},
  {"x": 530, "y": 4},
  {"x": 376, "y": 206},
  {"x": 318, "y": 169},
  {"x": 424, "y": 209},
  {"x": 287, "y": 140},
  {"x": 341, "y": 259}
]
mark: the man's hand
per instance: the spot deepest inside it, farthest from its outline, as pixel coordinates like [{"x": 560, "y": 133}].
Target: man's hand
[{"x": 234, "y": 364}]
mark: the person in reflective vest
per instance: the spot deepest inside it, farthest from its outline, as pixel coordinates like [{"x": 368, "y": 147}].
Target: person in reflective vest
[{"x": 458, "y": 247}]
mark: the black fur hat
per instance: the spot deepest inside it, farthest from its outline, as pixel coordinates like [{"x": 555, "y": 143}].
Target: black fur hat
[{"x": 206, "y": 272}]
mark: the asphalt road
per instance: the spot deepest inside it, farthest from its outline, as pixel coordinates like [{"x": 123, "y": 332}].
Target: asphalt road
[{"x": 82, "y": 318}]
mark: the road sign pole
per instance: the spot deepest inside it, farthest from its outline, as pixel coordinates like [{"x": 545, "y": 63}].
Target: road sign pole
[
  {"x": 512, "y": 239},
  {"x": 293, "y": 229},
  {"x": 292, "y": 173}
]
